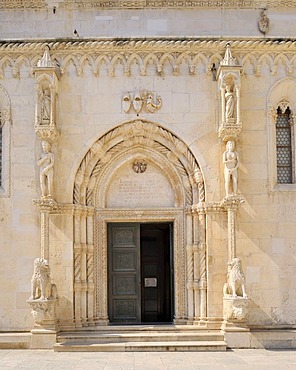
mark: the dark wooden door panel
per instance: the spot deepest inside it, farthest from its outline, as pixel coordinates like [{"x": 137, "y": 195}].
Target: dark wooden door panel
[
  {"x": 124, "y": 273},
  {"x": 139, "y": 272}
]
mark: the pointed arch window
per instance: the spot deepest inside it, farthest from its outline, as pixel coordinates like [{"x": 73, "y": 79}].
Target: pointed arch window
[{"x": 284, "y": 151}]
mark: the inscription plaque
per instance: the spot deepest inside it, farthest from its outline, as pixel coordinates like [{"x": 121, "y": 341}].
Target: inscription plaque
[
  {"x": 150, "y": 282},
  {"x": 129, "y": 190}
]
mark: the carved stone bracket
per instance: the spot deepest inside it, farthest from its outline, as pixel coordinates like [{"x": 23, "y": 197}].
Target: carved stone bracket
[
  {"x": 235, "y": 309},
  {"x": 232, "y": 202},
  {"x": 142, "y": 101},
  {"x": 44, "y": 312},
  {"x": 229, "y": 82},
  {"x": 207, "y": 207}
]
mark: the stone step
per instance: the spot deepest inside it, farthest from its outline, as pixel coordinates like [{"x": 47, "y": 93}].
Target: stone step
[
  {"x": 171, "y": 346},
  {"x": 136, "y": 336},
  {"x": 15, "y": 340}
]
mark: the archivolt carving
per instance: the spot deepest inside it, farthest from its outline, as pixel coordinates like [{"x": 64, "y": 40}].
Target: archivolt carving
[
  {"x": 197, "y": 55},
  {"x": 119, "y": 140}
]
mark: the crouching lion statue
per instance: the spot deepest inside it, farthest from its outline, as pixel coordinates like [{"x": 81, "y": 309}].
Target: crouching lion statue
[
  {"x": 41, "y": 286},
  {"x": 235, "y": 285}
]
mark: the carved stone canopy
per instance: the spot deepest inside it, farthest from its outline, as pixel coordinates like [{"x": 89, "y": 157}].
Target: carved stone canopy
[{"x": 228, "y": 59}]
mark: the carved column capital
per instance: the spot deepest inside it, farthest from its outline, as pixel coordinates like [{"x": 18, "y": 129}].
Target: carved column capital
[{"x": 232, "y": 202}]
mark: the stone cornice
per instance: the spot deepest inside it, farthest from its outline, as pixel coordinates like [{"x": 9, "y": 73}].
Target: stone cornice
[
  {"x": 149, "y": 4},
  {"x": 166, "y": 54},
  {"x": 188, "y": 44}
]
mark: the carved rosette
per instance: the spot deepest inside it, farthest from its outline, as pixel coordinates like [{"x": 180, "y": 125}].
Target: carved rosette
[
  {"x": 229, "y": 83},
  {"x": 235, "y": 309}
]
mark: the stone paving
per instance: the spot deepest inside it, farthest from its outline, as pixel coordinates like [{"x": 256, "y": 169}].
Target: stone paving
[{"x": 241, "y": 359}]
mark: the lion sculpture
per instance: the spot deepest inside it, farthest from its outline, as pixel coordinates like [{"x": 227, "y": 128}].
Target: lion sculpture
[
  {"x": 41, "y": 286},
  {"x": 235, "y": 285}
]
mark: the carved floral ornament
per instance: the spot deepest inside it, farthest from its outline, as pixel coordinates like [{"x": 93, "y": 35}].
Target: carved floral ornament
[{"x": 165, "y": 56}]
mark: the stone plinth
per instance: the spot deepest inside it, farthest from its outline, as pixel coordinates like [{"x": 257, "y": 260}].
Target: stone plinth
[
  {"x": 44, "y": 313},
  {"x": 235, "y": 308}
]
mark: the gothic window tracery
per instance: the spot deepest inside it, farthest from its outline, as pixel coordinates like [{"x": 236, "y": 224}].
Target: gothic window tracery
[{"x": 284, "y": 146}]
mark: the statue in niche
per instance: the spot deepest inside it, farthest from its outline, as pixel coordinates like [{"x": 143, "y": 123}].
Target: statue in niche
[
  {"x": 46, "y": 170},
  {"x": 231, "y": 163},
  {"x": 229, "y": 103},
  {"x": 45, "y": 102}
]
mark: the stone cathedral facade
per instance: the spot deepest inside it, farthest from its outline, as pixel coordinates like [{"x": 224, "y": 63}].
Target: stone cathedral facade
[{"x": 148, "y": 176}]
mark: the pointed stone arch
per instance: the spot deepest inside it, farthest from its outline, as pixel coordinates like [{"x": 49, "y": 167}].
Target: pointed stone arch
[
  {"x": 143, "y": 134},
  {"x": 171, "y": 157}
]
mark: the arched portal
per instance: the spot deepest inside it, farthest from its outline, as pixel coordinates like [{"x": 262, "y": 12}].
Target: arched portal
[{"x": 138, "y": 172}]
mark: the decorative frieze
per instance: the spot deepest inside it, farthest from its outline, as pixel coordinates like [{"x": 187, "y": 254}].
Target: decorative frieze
[
  {"x": 150, "y": 4},
  {"x": 139, "y": 4},
  {"x": 22, "y": 4},
  {"x": 197, "y": 54}
]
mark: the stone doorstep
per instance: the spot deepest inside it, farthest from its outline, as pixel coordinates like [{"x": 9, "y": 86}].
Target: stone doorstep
[
  {"x": 183, "y": 346},
  {"x": 151, "y": 336},
  {"x": 141, "y": 338},
  {"x": 15, "y": 340}
]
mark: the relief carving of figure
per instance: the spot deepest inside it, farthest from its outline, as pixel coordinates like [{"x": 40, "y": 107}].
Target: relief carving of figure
[
  {"x": 231, "y": 163},
  {"x": 46, "y": 170},
  {"x": 45, "y": 102},
  {"x": 235, "y": 285},
  {"x": 263, "y": 22},
  {"x": 151, "y": 106},
  {"x": 41, "y": 286},
  {"x": 229, "y": 103}
]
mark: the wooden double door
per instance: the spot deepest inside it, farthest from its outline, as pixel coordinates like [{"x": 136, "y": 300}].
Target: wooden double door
[{"x": 140, "y": 272}]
